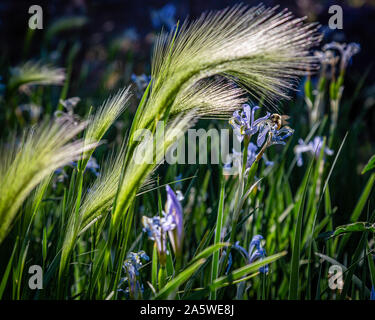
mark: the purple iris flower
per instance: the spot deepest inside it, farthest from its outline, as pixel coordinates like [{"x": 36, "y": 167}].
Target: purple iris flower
[
  {"x": 131, "y": 267},
  {"x": 256, "y": 251},
  {"x": 171, "y": 222},
  {"x": 173, "y": 208},
  {"x": 277, "y": 136},
  {"x": 241, "y": 250},
  {"x": 157, "y": 228},
  {"x": 92, "y": 165},
  {"x": 164, "y": 16},
  {"x": 141, "y": 82},
  {"x": 347, "y": 51},
  {"x": 244, "y": 123},
  {"x": 313, "y": 147}
]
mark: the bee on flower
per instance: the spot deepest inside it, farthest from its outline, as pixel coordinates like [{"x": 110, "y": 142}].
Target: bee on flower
[
  {"x": 244, "y": 123},
  {"x": 273, "y": 131}
]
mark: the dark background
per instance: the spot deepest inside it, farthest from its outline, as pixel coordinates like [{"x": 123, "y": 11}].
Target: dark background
[{"x": 111, "y": 17}]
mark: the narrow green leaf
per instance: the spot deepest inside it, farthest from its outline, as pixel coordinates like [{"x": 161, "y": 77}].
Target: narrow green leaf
[
  {"x": 354, "y": 227},
  {"x": 361, "y": 247},
  {"x": 219, "y": 225},
  {"x": 246, "y": 270},
  {"x": 371, "y": 265},
  {"x": 7, "y": 270},
  {"x": 294, "y": 274},
  {"x": 363, "y": 199},
  {"x": 370, "y": 165},
  {"x": 44, "y": 244},
  {"x": 358, "y": 210},
  {"x": 178, "y": 280},
  {"x": 210, "y": 250},
  {"x": 20, "y": 268},
  {"x": 226, "y": 284},
  {"x": 154, "y": 269}
]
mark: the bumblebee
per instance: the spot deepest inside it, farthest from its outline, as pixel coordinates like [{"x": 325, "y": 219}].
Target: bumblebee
[{"x": 279, "y": 120}]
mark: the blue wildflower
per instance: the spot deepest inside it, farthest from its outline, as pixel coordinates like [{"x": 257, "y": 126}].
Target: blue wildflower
[
  {"x": 157, "y": 228},
  {"x": 279, "y": 136},
  {"x": 173, "y": 208},
  {"x": 372, "y": 294},
  {"x": 241, "y": 250},
  {"x": 274, "y": 132},
  {"x": 250, "y": 256},
  {"x": 230, "y": 257},
  {"x": 275, "y": 135},
  {"x": 93, "y": 166},
  {"x": 59, "y": 177},
  {"x": 327, "y": 59},
  {"x": 178, "y": 184},
  {"x": 165, "y": 16},
  {"x": 244, "y": 123},
  {"x": 313, "y": 147},
  {"x": 230, "y": 262},
  {"x": 252, "y": 150},
  {"x": 131, "y": 266},
  {"x": 233, "y": 164},
  {"x": 347, "y": 51},
  {"x": 68, "y": 115},
  {"x": 141, "y": 83},
  {"x": 257, "y": 252}
]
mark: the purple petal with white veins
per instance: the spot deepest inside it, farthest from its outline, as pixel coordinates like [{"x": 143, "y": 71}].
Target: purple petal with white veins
[
  {"x": 174, "y": 209},
  {"x": 262, "y": 135}
]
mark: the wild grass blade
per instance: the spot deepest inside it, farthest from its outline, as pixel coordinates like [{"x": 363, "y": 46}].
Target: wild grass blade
[
  {"x": 294, "y": 273},
  {"x": 218, "y": 229},
  {"x": 173, "y": 285}
]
